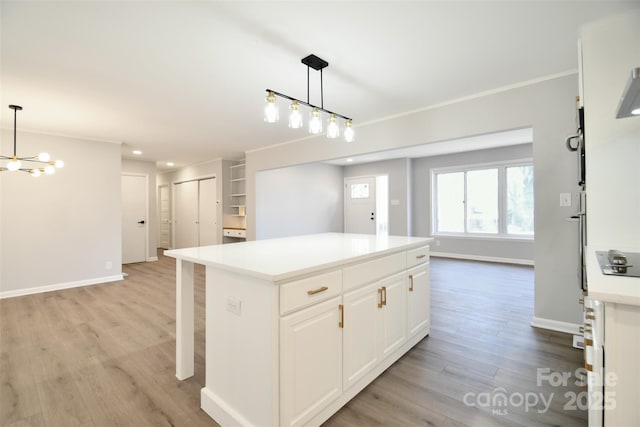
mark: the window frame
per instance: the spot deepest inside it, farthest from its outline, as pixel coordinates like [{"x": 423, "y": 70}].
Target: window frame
[{"x": 501, "y": 166}]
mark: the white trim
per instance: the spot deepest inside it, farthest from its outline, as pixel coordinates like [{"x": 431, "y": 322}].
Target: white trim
[
  {"x": 555, "y": 325},
  {"x": 471, "y": 257},
  {"x": 64, "y": 135},
  {"x": 435, "y": 106},
  {"x": 152, "y": 258},
  {"x": 60, "y": 286}
]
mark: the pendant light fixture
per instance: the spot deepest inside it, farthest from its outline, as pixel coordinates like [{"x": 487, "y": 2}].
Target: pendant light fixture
[
  {"x": 315, "y": 115},
  {"x": 33, "y": 165}
]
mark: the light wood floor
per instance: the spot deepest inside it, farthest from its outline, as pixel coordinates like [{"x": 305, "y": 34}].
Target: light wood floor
[{"x": 104, "y": 355}]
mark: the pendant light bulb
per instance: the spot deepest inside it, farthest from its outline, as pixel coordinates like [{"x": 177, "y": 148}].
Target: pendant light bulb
[
  {"x": 44, "y": 157},
  {"x": 58, "y": 163},
  {"x": 315, "y": 122},
  {"x": 295, "y": 118},
  {"x": 49, "y": 170},
  {"x": 271, "y": 113},
  {"x": 35, "y": 173},
  {"x": 349, "y": 134},
  {"x": 14, "y": 164},
  {"x": 333, "y": 131}
]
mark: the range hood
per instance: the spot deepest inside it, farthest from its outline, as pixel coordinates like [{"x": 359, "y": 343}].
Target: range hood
[{"x": 630, "y": 101}]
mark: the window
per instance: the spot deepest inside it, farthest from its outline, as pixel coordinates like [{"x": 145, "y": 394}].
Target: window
[{"x": 491, "y": 200}]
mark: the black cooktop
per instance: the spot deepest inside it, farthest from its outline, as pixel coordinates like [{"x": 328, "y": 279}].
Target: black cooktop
[{"x": 618, "y": 263}]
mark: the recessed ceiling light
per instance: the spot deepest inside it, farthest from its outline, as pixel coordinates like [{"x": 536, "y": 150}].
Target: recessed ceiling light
[
  {"x": 137, "y": 152},
  {"x": 170, "y": 164},
  {"x": 349, "y": 160}
]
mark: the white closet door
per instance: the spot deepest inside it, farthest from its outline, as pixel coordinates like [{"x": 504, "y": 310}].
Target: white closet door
[
  {"x": 165, "y": 218},
  {"x": 186, "y": 210},
  {"x": 134, "y": 218},
  {"x": 207, "y": 213}
]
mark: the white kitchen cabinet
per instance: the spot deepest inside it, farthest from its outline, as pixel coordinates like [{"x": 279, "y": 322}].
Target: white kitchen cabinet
[
  {"x": 393, "y": 322},
  {"x": 310, "y": 361},
  {"x": 296, "y": 327},
  {"x": 418, "y": 299}
]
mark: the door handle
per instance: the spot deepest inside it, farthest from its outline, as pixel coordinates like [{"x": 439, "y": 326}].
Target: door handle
[
  {"x": 372, "y": 216},
  {"x": 141, "y": 222}
]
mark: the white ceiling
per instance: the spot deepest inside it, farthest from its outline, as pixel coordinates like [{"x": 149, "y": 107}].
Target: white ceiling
[{"x": 185, "y": 81}]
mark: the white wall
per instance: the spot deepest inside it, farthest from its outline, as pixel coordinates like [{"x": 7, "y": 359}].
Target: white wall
[
  {"x": 611, "y": 48},
  {"x": 398, "y": 172},
  {"x": 480, "y": 248},
  {"x": 546, "y": 106},
  {"x": 59, "y": 231},
  {"x": 298, "y": 200},
  {"x": 149, "y": 169}
]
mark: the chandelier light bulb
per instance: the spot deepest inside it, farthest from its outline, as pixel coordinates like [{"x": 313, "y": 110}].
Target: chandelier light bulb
[
  {"x": 49, "y": 170},
  {"x": 58, "y": 163},
  {"x": 44, "y": 157},
  {"x": 35, "y": 173},
  {"x": 295, "y": 118},
  {"x": 315, "y": 122},
  {"x": 14, "y": 164},
  {"x": 349, "y": 134},
  {"x": 636, "y": 112},
  {"x": 333, "y": 131},
  {"x": 271, "y": 113}
]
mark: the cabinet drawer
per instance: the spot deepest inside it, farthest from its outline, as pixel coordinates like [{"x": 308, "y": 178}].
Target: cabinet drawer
[
  {"x": 304, "y": 292},
  {"x": 232, "y": 232},
  {"x": 370, "y": 271},
  {"x": 417, "y": 256}
]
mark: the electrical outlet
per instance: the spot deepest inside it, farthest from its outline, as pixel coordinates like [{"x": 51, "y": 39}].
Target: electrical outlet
[
  {"x": 108, "y": 265},
  {"x": 565, "y": 199},
  {"x": 234, "y": 305}
]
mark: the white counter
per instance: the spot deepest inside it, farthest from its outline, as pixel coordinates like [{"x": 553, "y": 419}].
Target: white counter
[
  {"x": 608, "y": 288},
  {"x": 284, "y": 258}
]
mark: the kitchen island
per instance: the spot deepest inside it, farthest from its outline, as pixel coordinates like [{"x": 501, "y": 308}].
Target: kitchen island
[{"x": 296, "y": 327}]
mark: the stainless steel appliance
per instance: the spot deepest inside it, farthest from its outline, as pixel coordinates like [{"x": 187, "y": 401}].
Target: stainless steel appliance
[{"x": 616, "y": 263}]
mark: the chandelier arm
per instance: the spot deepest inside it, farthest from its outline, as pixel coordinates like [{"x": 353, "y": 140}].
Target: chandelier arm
[{"x": 290, "y": 98}]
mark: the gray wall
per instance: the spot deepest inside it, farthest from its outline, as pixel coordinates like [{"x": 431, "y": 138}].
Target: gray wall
[
  {"x": 298, "y": 200},
  {"x": 479, "y": 248},
  {"x": 59, "y": 231},
  {"x": 547, "y": 106},
  {"x": 399, "y": 189},
  {"x": 149, "y": 169}
]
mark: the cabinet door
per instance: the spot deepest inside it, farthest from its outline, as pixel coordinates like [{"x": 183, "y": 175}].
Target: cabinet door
[
  {"x": 360, "y": 334},
  {"x": 310, "y": 362},
  {"x": 419, "y": 299},
  {"x": 393, "y": 326}
]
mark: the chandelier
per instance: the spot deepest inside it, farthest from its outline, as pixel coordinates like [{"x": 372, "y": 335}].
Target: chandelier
[
  {"x": 272, "y": 114},
  {"x": 33, "y": 165}
]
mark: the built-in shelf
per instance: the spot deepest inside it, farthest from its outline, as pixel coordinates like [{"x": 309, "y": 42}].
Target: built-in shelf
[
  {"x": 238, "y": 179},
  {"x": 235, "y": 210},
  {"x": 238, "y": 195},
  {"x": 239, "y": 165}
]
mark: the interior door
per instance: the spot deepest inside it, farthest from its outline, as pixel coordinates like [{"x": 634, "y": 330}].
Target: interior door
[
  {"x": 360, "y": 205},
  {"x": 207, "y": 212},
  {"x": 165, "y": 218},
  {"x": 186, "y": 214},
  {"x": 134, "y": 218}
]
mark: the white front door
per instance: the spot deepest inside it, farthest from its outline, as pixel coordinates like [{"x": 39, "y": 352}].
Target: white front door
[
  {"x": 134, "y": 218},
  {"x": 165, "y": 218},
  {"x": 207, "y": 212},
  {"x": 186, "y": 214},
  {"x": 360, "y": 205}
]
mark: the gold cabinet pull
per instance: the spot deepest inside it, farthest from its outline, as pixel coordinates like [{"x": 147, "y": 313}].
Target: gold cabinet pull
[
  {"x": 421, "y": 256},
  {"x": 581, "y": 301},
  {"x": 588, "y": 367},
  {"x": 588, "y": 342},
  {"x": 379, "y": 297},
  {"x": 589, "y": 310},
  {"x": 590, "y": 317},
  {"x": 384, "y": 295},
  {"x": 317, "y": 291},
  {"x": 341, "y": 323},
  {"x": 411, "y": 283}
]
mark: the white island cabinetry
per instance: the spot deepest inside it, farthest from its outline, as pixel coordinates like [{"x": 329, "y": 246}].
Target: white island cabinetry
[{"x": 296, "y": 327}]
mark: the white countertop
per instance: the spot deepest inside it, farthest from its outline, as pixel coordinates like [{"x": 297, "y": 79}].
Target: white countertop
[
  {"x": 284, "y": 258},
  {"x": 607, "y": 288}
]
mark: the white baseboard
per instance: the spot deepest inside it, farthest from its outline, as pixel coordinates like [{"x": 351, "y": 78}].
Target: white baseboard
[
  {"x": 483, "y": 258},
  {"x": 554, "y": 325},
  {"x": 59, "y": 286},
  {"x": 152, "y": 258}
]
